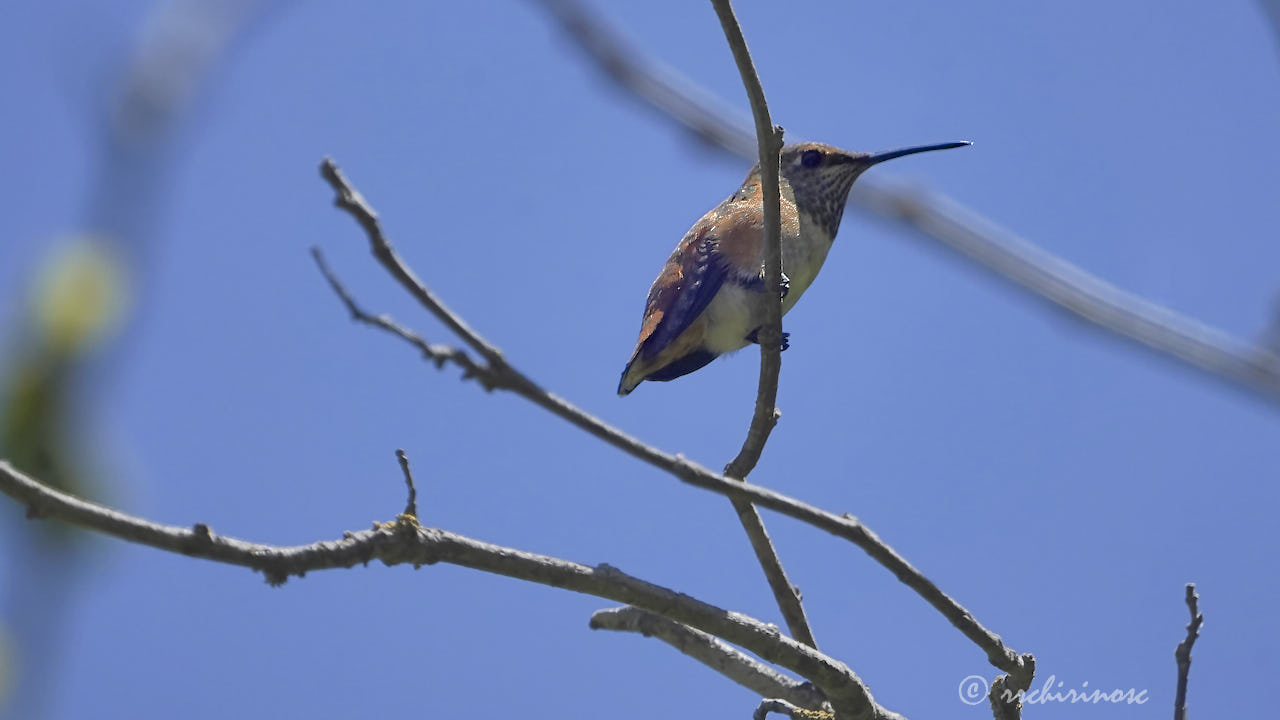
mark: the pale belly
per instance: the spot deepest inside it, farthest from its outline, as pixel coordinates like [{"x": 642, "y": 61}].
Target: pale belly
[{"x": 736, "y": 311}]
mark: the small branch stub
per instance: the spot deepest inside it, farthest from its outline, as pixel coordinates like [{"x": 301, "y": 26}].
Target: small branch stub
[
  {"x": 411, "y": 507},
  {"x": 1183, "y": 653}
]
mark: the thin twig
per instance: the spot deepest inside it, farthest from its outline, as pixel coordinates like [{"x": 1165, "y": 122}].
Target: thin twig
[
  {"x": 934, "y": 217},
  {"x": 712, "y": 652},
  {"x": 786, "y": 595},
  {"x": 410, "y": 543},
  {"x": 437, "y": 354},
  {"x": 354, "y": 203},
  {"x": 844, "y": 526},
  {"x": 1183, "y": 653},
  {"x": 765, "y": 416},
  {"x": 769, "y": 139},
  {"x": 411, "y": 506}
]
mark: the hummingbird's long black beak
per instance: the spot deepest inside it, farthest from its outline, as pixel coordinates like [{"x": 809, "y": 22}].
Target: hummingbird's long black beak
[{"x": 891, "y": 154}]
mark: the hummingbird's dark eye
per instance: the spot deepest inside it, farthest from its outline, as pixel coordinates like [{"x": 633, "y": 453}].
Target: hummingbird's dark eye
[{"x": 811, "y": 158}]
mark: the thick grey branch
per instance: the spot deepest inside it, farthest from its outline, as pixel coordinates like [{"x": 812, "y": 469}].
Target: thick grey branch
[
  {"x": 782, "y": 707},
  {"x": 407, "y": 542},
  {"x": 1007, "y": 692},
  {"x": 933, "y": 217},
  {"x": 712, "y": 652},
  {"x": 846, "y": 526}
]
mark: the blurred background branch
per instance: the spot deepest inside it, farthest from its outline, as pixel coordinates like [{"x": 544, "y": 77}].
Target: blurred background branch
[
  {"x": 1272, "y": 9},
  {"x": 58, "y": 354},
  {"x": 935, "y": 218}
]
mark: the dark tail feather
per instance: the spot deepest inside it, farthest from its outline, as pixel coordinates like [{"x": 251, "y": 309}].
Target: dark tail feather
[{"x": 685, "y": 365}]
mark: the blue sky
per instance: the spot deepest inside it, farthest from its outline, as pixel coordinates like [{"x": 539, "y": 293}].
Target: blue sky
[{"x": 1060, "y": 484}]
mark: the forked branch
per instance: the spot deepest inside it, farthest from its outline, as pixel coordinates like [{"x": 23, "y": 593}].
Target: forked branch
[
  {"x": 712, "y": 652},
  {"x": 845, "y": 526}
]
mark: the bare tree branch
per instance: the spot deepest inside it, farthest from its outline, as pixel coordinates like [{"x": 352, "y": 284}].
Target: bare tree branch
[
  {"x": 784, "y": 593},
  {"x": 782, "y": 707},
  {"x": 765, "y": 416},
  {"x": 1244, "y": 364},
  {"x": 437, "y": 354},
  {"x": 1183, "y": 653},
  {"x": 845, "y": 526},
  {"x": 349, "y": 199},
  {"x": 407, "y": 542},
  {"x": 712, "y": 652},
  {"x": 1007, "y": 692},
  {"x": 769, "y": 139}
]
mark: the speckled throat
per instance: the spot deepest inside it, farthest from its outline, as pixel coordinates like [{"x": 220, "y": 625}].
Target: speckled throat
[{"x": 822, "y": 196}]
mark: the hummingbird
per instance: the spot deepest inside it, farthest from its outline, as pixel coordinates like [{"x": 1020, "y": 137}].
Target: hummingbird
[{"x": 709, "y": 298}]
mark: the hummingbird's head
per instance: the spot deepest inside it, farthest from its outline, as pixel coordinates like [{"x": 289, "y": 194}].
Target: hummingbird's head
[{"x": 821, "y": 176}]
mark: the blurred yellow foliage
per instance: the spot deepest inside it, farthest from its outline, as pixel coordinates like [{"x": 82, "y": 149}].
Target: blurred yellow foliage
[{"x": 79, "y": 297}]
